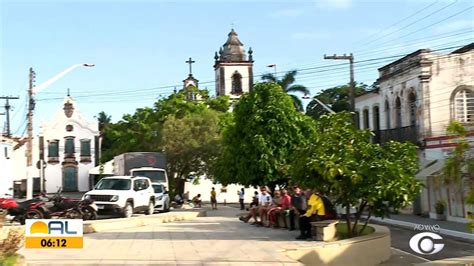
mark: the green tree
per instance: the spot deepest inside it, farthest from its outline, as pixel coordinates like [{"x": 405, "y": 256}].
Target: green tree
[
  {"x": 459, "y": 166},
  {"x": 258, "y": 143},
  {"x": 336, "y": 98},
  {"x": 190, "y": 143},
  {"x": 286, "y": 83},
  {"x": 341, "y": 161},
  {"x": 142, "y": 131}
]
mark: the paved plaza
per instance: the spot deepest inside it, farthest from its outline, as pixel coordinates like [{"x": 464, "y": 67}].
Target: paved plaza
[{"x": 218, "y": 239}]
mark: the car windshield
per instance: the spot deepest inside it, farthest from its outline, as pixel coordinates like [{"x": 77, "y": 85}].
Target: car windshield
[
  {"x": 155, "y": 176},
  {"x": 113, "y": 183},
  {"x": 158, "y": 188}
]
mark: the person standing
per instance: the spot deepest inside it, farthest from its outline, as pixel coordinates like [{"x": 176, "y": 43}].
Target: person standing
[
  {"x": 241, "y": 198},
  {"x": 298, "y": 205},
  {"x": 315, "y": 212},
  {"x": 213, "y": 199}
]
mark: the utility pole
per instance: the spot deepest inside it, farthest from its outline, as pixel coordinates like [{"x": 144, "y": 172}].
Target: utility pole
[
  {"x": 7, "y": 111},
  {"x": 29, "y": 145},
  {"x": 349, "y": 57}
]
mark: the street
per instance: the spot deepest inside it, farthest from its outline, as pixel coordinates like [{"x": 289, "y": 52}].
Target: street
[{"x": 452, "y": 248}]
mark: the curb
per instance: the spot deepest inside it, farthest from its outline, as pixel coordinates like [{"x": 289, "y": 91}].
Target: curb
[
  {"x": 410, "y": 225},
  {"x": 118, "y": 223}
]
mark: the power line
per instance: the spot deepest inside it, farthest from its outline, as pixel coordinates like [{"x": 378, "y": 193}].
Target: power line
[
  {"x": 428, "y": 26},
  {"x": 302, "y": 72},
  {"x": 413, "y": 23}
]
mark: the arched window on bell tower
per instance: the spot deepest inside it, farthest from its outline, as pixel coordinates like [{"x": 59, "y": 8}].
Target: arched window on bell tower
[{"x": 236, "y": 83}]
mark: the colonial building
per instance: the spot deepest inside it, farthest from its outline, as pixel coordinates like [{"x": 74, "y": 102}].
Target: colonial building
[
  {"x": 68, "y": 146},
  {"x": 418, "y": 96},
  {"x": 233, "y": 70}
]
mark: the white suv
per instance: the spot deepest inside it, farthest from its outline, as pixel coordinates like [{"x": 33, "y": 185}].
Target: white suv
[{"x": 124, "y": 195}]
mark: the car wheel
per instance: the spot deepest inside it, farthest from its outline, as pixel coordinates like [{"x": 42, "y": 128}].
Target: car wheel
[
  {"x": 127, "y": 210},
  {"x": 151, "y": 208}
]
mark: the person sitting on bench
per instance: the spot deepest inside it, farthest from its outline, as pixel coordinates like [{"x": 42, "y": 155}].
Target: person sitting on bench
[
  {"x": 314, "y": 213},
  {"x": 298, "y": 205}
]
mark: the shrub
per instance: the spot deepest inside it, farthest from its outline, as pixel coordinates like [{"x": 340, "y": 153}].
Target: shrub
[
  {"x": 11, "y": 244},
  {"x": 439, "y": 207}
]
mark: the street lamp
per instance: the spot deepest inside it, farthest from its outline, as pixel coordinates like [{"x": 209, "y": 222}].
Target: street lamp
[{"x": 31, "y": 104}]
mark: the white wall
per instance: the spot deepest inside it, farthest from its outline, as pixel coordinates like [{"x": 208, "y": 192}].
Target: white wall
[
  {"x": 6, "y": 166},
  {"x": 229, "y": 69},
  {"x": 204, "y": 188},
  {"x": 448, "y": 72}
]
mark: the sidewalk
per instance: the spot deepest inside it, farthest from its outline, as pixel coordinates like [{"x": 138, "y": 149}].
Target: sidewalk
[
  {"x": 449, "y": 228},
  {"x": 218, "y": 239}
]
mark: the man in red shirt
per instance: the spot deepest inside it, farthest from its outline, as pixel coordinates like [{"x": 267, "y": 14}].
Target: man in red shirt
[{"x": 285, "y": 204}]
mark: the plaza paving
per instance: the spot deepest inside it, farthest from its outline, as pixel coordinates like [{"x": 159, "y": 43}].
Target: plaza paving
[{"x": 218, "y": 239}]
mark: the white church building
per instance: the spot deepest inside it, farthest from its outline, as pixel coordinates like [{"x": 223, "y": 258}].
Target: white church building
[
  {"x": 69, "y": 147},
  {"x": 418, "y": 96}
]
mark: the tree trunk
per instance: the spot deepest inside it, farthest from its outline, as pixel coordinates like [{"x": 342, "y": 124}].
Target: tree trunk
[
  {"x": 358, "y": 214},
  {"x": 348, "y": 220},
  {"x": 366, "y": 222}
]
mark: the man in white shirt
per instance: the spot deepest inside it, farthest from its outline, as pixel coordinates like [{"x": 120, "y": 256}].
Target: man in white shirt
[
  {"x": 241, "y": 198},
  {"x": 264, "y": 201}
]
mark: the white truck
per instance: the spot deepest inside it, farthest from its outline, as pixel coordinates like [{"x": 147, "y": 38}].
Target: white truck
[{"x": 146, "y": 164}]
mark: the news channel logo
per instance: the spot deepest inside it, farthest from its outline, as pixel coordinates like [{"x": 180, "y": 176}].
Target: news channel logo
[
  {"x": 54, "y": 233},
  {"x": 427, "y": 243}
]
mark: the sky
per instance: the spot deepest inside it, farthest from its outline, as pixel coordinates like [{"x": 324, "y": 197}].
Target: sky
[{"x": 140, "y": 47}]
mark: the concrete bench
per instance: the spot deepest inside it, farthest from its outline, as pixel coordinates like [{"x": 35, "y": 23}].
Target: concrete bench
[{"x": 324, "y": 230}]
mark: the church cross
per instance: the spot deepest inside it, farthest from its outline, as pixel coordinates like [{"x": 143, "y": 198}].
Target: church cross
[{"x": 190, "y": 62}]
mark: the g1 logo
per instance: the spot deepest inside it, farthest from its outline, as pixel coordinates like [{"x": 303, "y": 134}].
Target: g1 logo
[{"x": 426, "y": 243}]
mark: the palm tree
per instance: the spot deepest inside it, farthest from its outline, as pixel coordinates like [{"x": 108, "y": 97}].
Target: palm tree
[{"x": 286, "y": 83}]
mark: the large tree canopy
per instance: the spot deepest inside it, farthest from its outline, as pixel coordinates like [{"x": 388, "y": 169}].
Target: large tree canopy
[
  {"x": 336, "y": 98},
  {"x": 286, "y": 83},
  {"x": 142, "y": 131},
  {"x": 341, "y": 161},
  {"x": 190, "y": 144},
  {"x": 259, "y": 143}
]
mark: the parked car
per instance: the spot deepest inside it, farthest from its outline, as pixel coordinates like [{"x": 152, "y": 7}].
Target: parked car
[
  {"x": 123, "y": 195},
  {"x": 162, "y": 198}
]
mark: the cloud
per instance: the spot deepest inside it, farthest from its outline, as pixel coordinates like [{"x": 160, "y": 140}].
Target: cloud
[
  {"x": 455, "y": 26},
  {"x": 307, "y": 36},
  {"x": 289, "y": 12},
  {"x": 334, "y": 4}
]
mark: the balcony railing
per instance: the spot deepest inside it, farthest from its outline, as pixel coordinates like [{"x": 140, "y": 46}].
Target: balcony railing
[{"x": 401, "y": 134}]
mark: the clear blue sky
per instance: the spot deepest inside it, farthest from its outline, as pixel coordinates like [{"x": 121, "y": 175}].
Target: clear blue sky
[{"x": 139, "y": 48}]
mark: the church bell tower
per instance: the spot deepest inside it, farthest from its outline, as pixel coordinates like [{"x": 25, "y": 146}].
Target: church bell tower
[{"x": 233, "y": 71}]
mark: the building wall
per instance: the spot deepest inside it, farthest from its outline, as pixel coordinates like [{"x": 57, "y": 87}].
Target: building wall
[
  {"x": 59, "y": 129},
  {"x": 229, "y": 70},
  {"x": 433, "y": 78},
  {"x": 447, "y": 73},
  {"x": 6, "y": 166}
]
